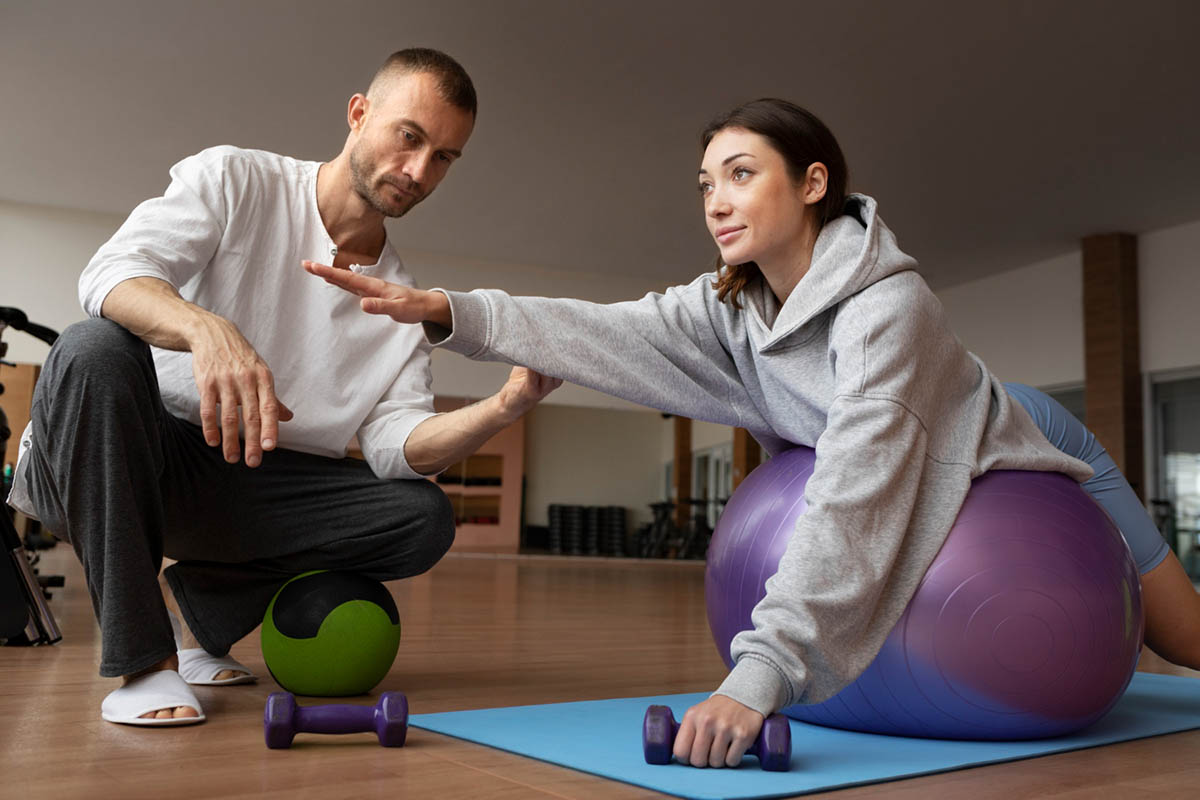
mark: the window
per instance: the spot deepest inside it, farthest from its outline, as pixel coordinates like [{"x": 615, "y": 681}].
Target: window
[{"x": 1176, "y": 415}]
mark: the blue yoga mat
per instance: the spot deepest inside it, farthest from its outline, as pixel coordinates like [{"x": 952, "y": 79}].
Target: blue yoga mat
[{"x": 603, "y": 737}]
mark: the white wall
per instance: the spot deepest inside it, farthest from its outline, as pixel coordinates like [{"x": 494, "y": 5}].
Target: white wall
[
  {"x": 1027, "y": 323},
  {"x": 42, "y": 252},
  {"x": 1169, "y": 296},
  {"x": 591, "y": 456}
]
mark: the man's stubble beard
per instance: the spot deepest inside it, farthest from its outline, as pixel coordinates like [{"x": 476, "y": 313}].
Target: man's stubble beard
[{"x": 359, "y": 183}]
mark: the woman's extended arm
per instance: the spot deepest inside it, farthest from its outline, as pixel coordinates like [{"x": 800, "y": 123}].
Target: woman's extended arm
[{"x": 664, "y": 351}]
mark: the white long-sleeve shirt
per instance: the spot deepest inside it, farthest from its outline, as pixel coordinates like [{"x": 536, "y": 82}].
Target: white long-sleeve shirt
[{"x": 229, "y": 234}]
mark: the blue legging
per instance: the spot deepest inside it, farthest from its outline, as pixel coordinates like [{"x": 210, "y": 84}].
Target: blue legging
[{"x": 1107, "y": 486}]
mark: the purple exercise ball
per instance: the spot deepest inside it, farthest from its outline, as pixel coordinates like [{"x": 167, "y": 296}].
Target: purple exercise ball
[{"x": 1028, "y": 623}]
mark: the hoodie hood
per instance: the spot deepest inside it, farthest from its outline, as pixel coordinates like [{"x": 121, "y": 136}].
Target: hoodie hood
[{"x": 852, "y": 252}]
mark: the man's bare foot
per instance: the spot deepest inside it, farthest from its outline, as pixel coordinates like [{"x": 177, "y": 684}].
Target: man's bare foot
[
  {"x": 179, "y": 712},
  {"x": 187, "y": 641}
]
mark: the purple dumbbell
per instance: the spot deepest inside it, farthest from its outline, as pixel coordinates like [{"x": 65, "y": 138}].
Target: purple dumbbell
[
  {"x": 773, "y": 747},
  {"x": 283, "y": 719}
]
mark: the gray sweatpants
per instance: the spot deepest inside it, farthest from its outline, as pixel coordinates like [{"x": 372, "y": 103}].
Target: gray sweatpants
[{"x": 126, "y": 482}]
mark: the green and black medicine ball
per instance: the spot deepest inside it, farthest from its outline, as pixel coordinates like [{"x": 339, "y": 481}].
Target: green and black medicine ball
[{"x": 330, "y": 634}]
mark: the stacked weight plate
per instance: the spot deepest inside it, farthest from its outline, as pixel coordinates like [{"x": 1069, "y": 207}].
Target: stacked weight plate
[{"x": 612, "y": 531}]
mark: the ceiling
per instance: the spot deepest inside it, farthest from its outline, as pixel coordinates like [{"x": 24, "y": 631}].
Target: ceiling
[{"x": 993, "y": 134}]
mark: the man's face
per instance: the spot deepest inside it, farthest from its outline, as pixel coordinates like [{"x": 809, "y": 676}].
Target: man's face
[{"x": 407, "y": 140}]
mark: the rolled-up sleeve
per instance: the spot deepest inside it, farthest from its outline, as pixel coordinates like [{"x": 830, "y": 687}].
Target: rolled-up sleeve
[
  {"x": 171, "y": 238},
  {"x": 407, "y": 403}
]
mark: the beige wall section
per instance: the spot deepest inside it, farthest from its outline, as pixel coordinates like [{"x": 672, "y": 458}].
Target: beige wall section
[
  {"x": 1026, "y": 324},
  {"x": 1169, "y": 298},
  {"x": 42, "y": 252},
  {"x": 592, "y": 457},
  {"x": 704, "y": 435}
]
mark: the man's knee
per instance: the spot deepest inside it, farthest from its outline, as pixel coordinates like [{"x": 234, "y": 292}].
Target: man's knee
[
  {"x": 100, "y": 348},
  {"x": 96, "y": 356},
  {"x": 430, "y": 512},
  {"x": 96, "y": 336}
]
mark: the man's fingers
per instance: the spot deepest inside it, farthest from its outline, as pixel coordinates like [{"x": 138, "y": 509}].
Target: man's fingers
[
  {"x": 229, "y": 421},
  {"x": 268, "y": 409},
  {"x": 247, "y": 388},
  {"x": 208, "y": 415}
]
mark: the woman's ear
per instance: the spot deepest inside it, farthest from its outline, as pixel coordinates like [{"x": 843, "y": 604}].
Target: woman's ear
[{"x": 816, "y": 181}]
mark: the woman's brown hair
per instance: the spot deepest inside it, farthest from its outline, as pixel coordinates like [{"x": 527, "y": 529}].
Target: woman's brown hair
[{"x": 802, "y": 139}]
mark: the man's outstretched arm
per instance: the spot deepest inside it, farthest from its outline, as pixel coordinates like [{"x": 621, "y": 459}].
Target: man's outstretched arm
[{"x": 447, "y": 438}]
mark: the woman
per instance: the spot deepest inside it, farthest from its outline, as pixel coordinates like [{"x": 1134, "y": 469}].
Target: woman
[{"x": 817, "y": 331}]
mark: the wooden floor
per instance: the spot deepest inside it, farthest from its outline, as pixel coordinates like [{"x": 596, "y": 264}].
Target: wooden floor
[{"x": 478, "y": 632}]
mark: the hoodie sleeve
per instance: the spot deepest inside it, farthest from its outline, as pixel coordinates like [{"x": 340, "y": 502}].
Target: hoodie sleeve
[
  {"x": 661, "y": 351},
  {"x": 879, "y": 507}
]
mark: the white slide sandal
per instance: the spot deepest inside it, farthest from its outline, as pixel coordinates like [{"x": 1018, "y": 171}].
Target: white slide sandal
[
  {"x": 200, "y": 668},
  {"x": 153, "y": 691}
]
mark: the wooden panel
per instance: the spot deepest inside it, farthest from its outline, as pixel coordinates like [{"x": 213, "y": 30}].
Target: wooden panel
[
  {"x": 17, "y": 398},
  {"x": 1112, "y": 358},
  {"x": 746, "y": 455},
  {"x": 486, "y": 486}
]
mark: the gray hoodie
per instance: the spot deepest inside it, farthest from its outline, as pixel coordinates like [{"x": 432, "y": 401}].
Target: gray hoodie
[{"x": 859, "y": 363}]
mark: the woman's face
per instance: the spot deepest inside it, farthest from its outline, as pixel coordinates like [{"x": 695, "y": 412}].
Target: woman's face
[{"x": 753, "y": 208}]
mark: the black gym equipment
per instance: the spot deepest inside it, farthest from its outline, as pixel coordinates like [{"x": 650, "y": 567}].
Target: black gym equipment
[{"x": 25, "y": 616}]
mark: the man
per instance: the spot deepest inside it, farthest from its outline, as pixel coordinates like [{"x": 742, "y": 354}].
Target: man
[{"x": 135, "y": 453}]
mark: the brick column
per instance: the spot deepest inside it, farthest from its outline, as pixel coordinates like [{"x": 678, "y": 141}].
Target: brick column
[
  {"x": 1112, "y": 359},
  {"x": 746, "y": 455},
  {"x": 682, "y": 471}
]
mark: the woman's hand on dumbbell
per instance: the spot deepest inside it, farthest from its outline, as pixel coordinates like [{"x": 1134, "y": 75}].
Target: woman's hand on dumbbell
[{"x": 716, "y": 733}]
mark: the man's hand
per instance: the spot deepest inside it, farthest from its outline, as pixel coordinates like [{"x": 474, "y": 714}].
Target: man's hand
[
  {"x": 524, "y": 390},
  {"x": 716, "y": 733},
  {"x": 380, "y": 297},
  {"x": 229, "y": 373},
  {"x": 227, "y": 370}
]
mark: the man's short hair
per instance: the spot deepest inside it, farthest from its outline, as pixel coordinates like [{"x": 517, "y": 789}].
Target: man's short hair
[{"x": 453, "y": 82}]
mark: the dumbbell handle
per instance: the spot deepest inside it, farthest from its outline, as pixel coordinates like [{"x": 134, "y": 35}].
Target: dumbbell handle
[
  {"x": 387, "y": 719},
  {"x": 336, "y": 718}
]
